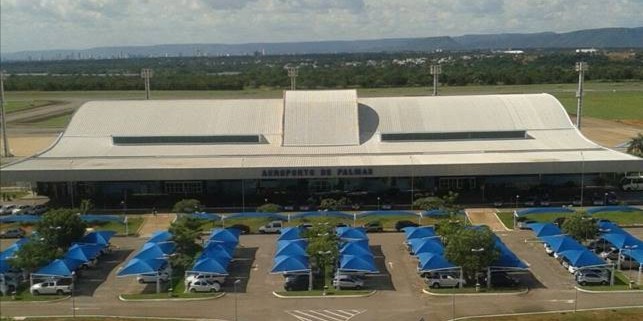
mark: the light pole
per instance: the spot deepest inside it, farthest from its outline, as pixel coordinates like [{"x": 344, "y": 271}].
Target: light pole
[
  {"x": 378, "y": 203},
  {"x": 605, "y": 199},
  {"x": 475, "y": 252},
  {"x": 146, "y": 74},
  {"x": 516, "y": 210},
  {"x": 581, "y": 67},
  {"x": 73, "y": 300},
  {"x": 3, "y": 122},
  {"x": 293, "y": 73},
  {"x": 436, "y": 70},
  {"x": 236, "y": 282}
]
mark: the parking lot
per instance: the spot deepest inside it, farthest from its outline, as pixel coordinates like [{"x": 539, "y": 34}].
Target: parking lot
[{"x": 399, "y": 288}]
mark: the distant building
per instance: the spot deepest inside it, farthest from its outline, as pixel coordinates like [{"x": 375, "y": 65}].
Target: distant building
[
  {"x": 315, "y": 144},
  {"x": 513, "y": 52},
  {"x": 587, "y": 51}
]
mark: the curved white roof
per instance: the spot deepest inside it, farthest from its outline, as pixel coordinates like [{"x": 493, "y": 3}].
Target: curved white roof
[{"x": 338, "y": 129}]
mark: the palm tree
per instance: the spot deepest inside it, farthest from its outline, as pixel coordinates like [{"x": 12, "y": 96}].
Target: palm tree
[{"x": 636, "y": 146}]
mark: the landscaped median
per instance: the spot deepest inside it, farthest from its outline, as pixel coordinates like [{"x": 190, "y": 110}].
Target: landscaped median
[
  {"x": 330, "y": 293},
  {"x": 621, "y": 285},
  {"x": 472, "y": 291},
  {"x": 178, "y": 293},
  {"x": 23, "y": 295}
]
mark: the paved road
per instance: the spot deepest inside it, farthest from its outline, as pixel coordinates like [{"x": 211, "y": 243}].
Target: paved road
[
  {"x": 485, "y": 216},
  {"x": 399, "y": 294}
]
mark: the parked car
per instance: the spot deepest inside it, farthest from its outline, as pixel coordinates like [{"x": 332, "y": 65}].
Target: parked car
[
  {"x": 245, "y": 229},
  {"x": 21, "y": 209},
  {"x": 305, "y": 226},
  {"x": 343, "y": 281},
  {"x": 498, "y": 202},
  {"x": 598, "y": 200},
  {"x": 272, "y": 227},
  {"x": 399, "y": 225},
  {"x": 39, "y": 209},
  {"x": 443, "y": 280},
  {"x": 559, "y": 221},
  {"x": 8, "y": 283},
  {"x": 548, "y": 249},
  {"x": 599, "y": 271},
  {"x": 7, "y": 209},
  {"x": 208, "y": 277},
  {"x": 163, "y": 276},
  {"x": 592, "y": 278},
  {"x": 12, "y": 233},
  {"x": 545, "y": 201},
  {"x": 204, "y": 286},
  {"x": 610, "y": 253},
  {"x": 577, "y": 201},
  {"x": 523, "y": 223},
  {"x": 531, "y": 201},
  {"x": 60, "y": 287},
  {"x": 628, "y": 262},
  {"x": 612, "y": 199},
  {"x": 297, "y": 282},
  {"x": 341, "y": 225},
  {"x": 373, "y": 227}
]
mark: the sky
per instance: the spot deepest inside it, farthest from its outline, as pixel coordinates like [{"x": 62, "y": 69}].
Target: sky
[{"x": 80, "y": 24}]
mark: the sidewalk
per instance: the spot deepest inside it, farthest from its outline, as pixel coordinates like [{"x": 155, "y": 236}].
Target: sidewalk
[
  {"x": 153, "y": 223},
  {"x": 485, "y": 216}
]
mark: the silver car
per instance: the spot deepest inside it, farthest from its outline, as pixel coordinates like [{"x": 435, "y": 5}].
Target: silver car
[
  {"x": 347, "y": 282},
  {"x": 7, "y": 209},
  {"x": 204, "y": 286},
  {"x": 592, "y": 278},
  {"x": 59, "y": 287}
]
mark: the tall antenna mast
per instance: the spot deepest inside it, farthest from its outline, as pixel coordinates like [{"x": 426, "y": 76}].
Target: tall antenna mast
[
  {"x": 293, "y": 73},
  {"x": 3, "y": 122},
  {"x": 581, "y": 67},
  {"x": 436, "y": 70}
]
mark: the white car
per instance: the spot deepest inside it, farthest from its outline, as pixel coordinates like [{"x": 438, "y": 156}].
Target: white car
[
  {"x": 7, "y": 209},
  {"x": 548, "y": 249},
  {"x": 59, "y": 287},
  {"x": 444, "y": 280},
  {"x": 21, "y": 209},
  {"x": 220, "y": 279},
  {"x": 152, "y": 277},
  {"x": 204, "y": 286},
  {"x": 344, "y": 281}
]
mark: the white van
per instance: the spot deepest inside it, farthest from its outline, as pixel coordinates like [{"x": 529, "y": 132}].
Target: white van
[
  {"x": 272, "y": 227},
  {"x": 632, "y": 183}
]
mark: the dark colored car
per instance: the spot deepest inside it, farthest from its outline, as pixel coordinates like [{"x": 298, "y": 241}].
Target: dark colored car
[
  {"x": 245, "y": 229},
  {"x": 501, "y": 279},
  {"x": 559, "y": 221},
  {"x": 297, "y": 282},
  {"x": 373, "y": 227},
  {"x": 399, "y": 225},
  {"x": 341, "y": 225}
]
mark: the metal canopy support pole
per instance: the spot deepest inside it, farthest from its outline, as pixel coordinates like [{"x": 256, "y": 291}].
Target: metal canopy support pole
[
  {"x": 461, "y": 277},
  {"x": 612, "y": 275},
  {"x": 640, "y": 271},
  {"x": 158, "y": 282},
  {"x": 488, "y": 277},
  {"x": 310, "y": 279}
]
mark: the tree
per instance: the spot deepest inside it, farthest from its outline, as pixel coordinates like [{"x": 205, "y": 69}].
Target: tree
[
  {"x": 34, "y": 254},
  {"x": 60, "y": 227},
  {"x": 187, "y": 206},
  {"x": 331, "y": 204},
  {"x": 185, "y": 232},
  {"x": 323, "y": 246},
  {"x": 269, "y": 208},
  {"x": 86, "y": 206},
  {"x": 428, "y": 203},
  {"x": 635, "y": 147},
  {"x": 580, "y": 227},
  {"x": 449, "y": 228},
  {"x": 473, "y": 250}
]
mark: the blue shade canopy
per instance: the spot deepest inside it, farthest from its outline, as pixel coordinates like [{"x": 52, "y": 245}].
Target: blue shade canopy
[
  {"x": 434, "y": 213},
  {"x": 289, "y": 233},
  {"x": 60, "y": 267},
  {"x": 429, "y": 262},
  {"x": 270, "y": 216},
  {"x": 4, "y": 265},
  {"x": 291, "y": 249},
  {"x": 609, "y": 227},
  {"x": 581, "y": 258},
  {"x": 507, "y": 259},
  {"x": 353, "y": 234},
  {"x": 412, "y": 232},
  {"x": 11, "y": 250},
  {"x": 615, "y": 208},
  {"x": 357, "y": 264},
  {"x": 154, "y": 251},
  {"x": 225, "y": 235},
  {"x": 559, "y": 243},
  {"x": 426, "y": 245},
  {"x": 386, "y": 213},
  {"x": 97, "y": 237},
  {"x": 89, "y": 250},
  {"x": 160, "y": 236},
  {"x": 339, "y": 230},
  {"x": 545, "y": 229},
  {"x": 355, "y": 249},
  {"x": 636, "y": 254},
  {"x": 362, "y": 243},
  {"x": 290, "y": 264},
  {"x": 21, "y": 218},
  {"x": 204, "y": 216},
  {"x": 101, "y": 218},
  {"x": 543, "y": 210},
  {"x": 323, "y": 214},
  {"x": 137, "y": 266},
  {"x": 220, "y": 257},
  {"x": 216, "y": 247},
  {"x": 301, "y": 242},
  {"x": 622, "y": 240},
  {"x": 77, "y": 253},
  {"x": 209, "y": 266}
]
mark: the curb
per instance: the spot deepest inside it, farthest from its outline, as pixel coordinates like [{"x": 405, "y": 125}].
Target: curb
[
  {"x": 121, "y": 298},
  {"x": 489, "y": 316},
  {"x": 606, "y": 292},
  {"x": 525, "y": 291},
  {"x": 112, "y": 317},
  {"x": 366, "y": 295},
  {"x": 34, "y": 301}
]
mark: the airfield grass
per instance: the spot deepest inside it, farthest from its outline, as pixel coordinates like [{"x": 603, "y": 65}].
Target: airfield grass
[
  {"x": 19, "y": 105},
  {"x": 605, "y": 100}
]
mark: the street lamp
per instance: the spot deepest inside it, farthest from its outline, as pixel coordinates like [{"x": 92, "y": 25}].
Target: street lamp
[
  {"x": 378, "y": 203},
  {"x": 605, "y": 199},
  {"x": 73, "y": 300},
  {"x": 236, "y": 282},
  {"x": 516, "y": 210}
]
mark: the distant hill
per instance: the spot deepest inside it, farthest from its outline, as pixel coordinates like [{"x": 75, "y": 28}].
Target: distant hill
[{"x": 596, "y": 38}]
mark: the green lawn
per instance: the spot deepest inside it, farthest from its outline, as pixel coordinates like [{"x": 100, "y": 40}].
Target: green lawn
[
  {"x": 546, "y": 217},
  {"x": 507, "y": 218},
  {"x": 178, "y": 291},
  {"x": 598, "y": 315},
  {"x": 134, "y": 223},
  {"x": 606, "y": 105},
  {"x": 56, "y": 121},
  {"x": 621, "y": 282},
  {"x": 622, "y": 218},
  {"x": 18, "y": 105},
  {"x": 23, "y": 294}
]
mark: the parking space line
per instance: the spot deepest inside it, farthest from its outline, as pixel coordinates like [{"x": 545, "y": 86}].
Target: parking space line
[
  {"x": 337, "y": 314},
  {"x": 308, "y": 315},
  {"x": 326, "y": 316}
]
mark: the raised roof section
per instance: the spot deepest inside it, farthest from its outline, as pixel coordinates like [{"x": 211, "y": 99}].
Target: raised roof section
[{"x": 321, "y": 118}]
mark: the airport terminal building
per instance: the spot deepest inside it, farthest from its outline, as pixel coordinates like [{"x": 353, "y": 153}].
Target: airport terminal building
[{"x": 311, "y": 145}]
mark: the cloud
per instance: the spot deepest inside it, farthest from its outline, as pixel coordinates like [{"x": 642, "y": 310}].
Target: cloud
[{"x": 53, "y": 24}]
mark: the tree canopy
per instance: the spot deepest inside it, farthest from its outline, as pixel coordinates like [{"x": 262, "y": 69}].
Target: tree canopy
[
  {"x": 580, "y": 227},
  {"x": 472, "y": 249},
  {"x": 60, "y": 227},
  {"x": 635, "y": 146},
  {"x": 187, "y": 206}
]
